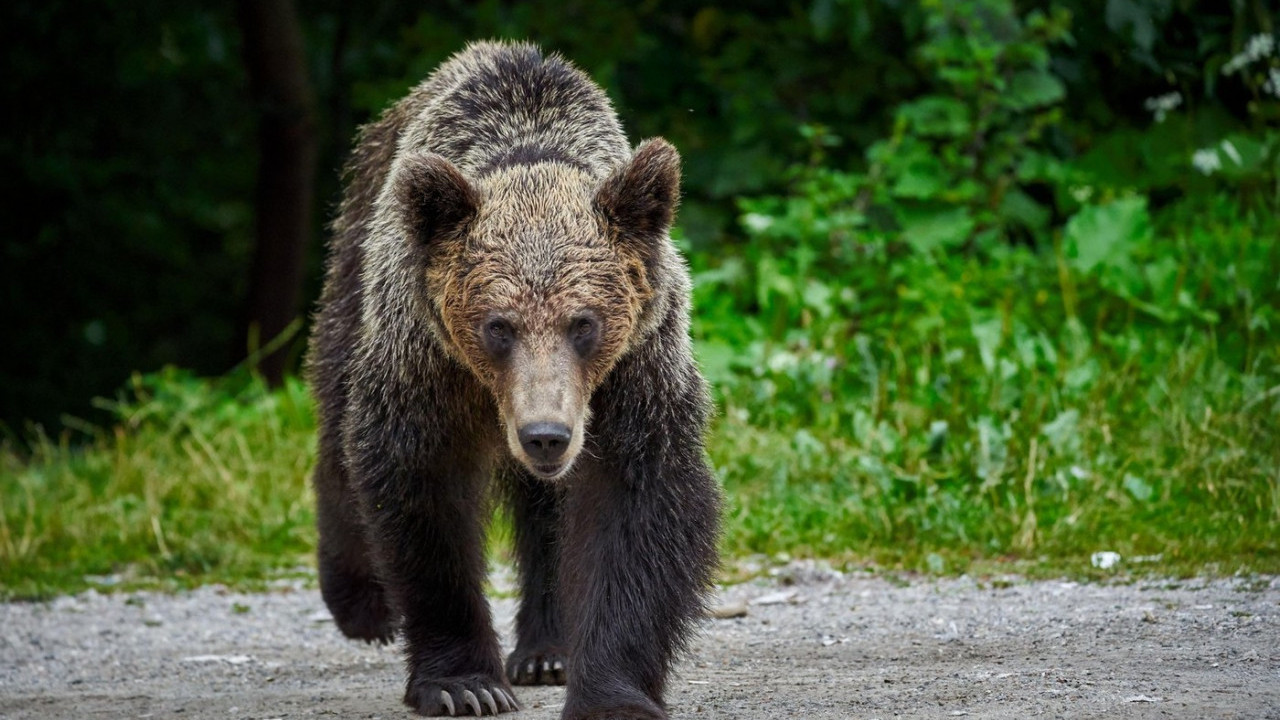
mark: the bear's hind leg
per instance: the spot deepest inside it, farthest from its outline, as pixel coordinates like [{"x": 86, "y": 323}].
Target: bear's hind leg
[
  {"x": 354, "y": 595},
  {"x": 541, "y": 656}
]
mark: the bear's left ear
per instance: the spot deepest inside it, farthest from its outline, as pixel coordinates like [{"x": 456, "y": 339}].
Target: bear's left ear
[
  {"x": 433, "y": 196},
  {"x": 639, "y": 199}
]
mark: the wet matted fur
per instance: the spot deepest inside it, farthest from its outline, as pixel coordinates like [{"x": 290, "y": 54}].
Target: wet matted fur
[{"x": 503, "y": 308}]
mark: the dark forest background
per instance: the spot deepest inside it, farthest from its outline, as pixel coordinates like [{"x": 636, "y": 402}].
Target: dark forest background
[{"x": 169, "y": 167}]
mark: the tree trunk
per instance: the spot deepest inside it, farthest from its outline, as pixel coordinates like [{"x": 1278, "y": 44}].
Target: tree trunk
[{"x": 276, "y": 64}]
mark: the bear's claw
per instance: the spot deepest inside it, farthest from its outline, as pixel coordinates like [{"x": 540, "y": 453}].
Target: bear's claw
[
  {"x": 460, "y": 696},
  {"x": 537, "y": 668},
  {"x": 472, "y": 703},
  {"x": 488, "y": 700}
]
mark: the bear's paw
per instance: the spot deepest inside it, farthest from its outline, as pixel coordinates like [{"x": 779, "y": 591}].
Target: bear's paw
[
  {"x": 540, "y": 666},
  {"x": 452, "y": 696}
]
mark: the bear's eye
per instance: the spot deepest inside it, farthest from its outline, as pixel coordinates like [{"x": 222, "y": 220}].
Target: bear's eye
[
  {"x": 499, "y": 336},
  {"x": 584, "y": 332}
]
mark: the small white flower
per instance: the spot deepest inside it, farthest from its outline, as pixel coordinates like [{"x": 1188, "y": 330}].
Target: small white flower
[
  {"x": 782, "y": 361},
  {"x": 1272, "y": 85},
  {"x": 1081, "y": 193},
  {"x": 757, "y": 222},
  {"x": 1162, "y": 104},
  {"x": 1206, "y": 161},
  {"x": 1258, "y": 47}
]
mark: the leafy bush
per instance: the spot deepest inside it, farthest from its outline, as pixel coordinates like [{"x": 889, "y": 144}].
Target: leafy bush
[
  {"x": 1008, "y": 402},
  {"x": 923, "y": 356},
  {"x": 131, "y": 185}
]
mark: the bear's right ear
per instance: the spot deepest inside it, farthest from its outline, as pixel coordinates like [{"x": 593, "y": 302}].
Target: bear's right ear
[{"x": 433, "y": 196}]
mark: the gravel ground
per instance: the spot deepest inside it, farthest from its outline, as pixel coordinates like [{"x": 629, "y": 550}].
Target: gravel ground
[{"x": 813, "y": 644}]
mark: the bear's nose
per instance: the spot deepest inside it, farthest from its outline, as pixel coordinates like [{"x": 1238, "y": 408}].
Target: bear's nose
[{"x": 545, "y": 441}]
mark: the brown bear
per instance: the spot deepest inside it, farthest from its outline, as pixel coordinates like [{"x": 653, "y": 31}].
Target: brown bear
[{"x": 503, "y": 308}]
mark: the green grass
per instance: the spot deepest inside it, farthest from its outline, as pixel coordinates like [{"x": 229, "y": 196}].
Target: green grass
[
  {"x": 1180, "y": 469},
  {"x": 199, "y": 481},
  {"x": 984, "y": 411},
  {"x": 205, "y": 481}
]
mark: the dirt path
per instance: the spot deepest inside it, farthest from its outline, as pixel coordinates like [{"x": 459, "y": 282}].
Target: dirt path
[{"x": 823, "y": 647}]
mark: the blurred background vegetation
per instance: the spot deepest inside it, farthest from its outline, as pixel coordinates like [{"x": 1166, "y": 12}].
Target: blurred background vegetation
[{"x": 975, "y": 280}]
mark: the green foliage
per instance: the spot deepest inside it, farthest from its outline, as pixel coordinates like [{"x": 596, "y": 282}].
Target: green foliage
[
  {"x": 129, "y": 187},
  {"x": 949, "y": 172},
  {"x": 974, "y": 280},
  {"x": 1016, "y": 404},
  {"x": 979, "y": 346},
  {"x": 193, "y": 481}
]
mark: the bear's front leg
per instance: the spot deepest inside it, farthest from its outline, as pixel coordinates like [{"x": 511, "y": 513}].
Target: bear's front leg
[
  {"x": 637, "y": 560},
  {"x": 420, "y": 493},
  {"x": 540, "y": 656}
]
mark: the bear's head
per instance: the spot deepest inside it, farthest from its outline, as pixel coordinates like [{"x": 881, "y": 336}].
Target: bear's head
[{"x": 539, "y": 277}]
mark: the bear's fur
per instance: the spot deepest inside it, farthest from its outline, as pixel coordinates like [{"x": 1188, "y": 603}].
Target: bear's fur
[{"x": 502, "y": 302}]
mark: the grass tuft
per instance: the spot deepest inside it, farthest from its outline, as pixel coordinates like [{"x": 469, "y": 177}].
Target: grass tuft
[{"x": 198, "y": 481}]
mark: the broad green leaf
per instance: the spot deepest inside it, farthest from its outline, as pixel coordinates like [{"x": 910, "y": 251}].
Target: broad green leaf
[
  {"x": 1134, "y": 21},
  {"x": 922, "y": 179},
  {"x": 818, "y": 297},
  {"x": 716, "y": 359},
  {"x": 1138, "y": 488},
  {"x": 925, "y": 231},
  {"x": 1081, "y": 377},
  {"x": 993, "y": 449},
  {"x": 1105, "y": 234},
  {"x": 1063, "y": 432},
  {"x": 1162, "y": 276},
  {"x": 1017, "y": 207},
  {"x": 989, "y": 335},
  {"x": 1241, "y": 156},
  {"x": 1033, "y": 88},
  {"x": 935, "y": 116}
]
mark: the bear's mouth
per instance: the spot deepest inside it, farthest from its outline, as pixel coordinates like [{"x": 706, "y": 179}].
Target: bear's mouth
[{"x": 548, "y": 472}]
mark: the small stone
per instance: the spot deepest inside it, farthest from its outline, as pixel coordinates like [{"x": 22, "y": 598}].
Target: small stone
[
  {"x": 775, "y": 598},
  {"x": 729, "y": 610}
]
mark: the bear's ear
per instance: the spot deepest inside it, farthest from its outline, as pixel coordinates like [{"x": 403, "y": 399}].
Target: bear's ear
[
  {"x": 639, "y": 199},
  {"x": 433, "y": 196}
]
